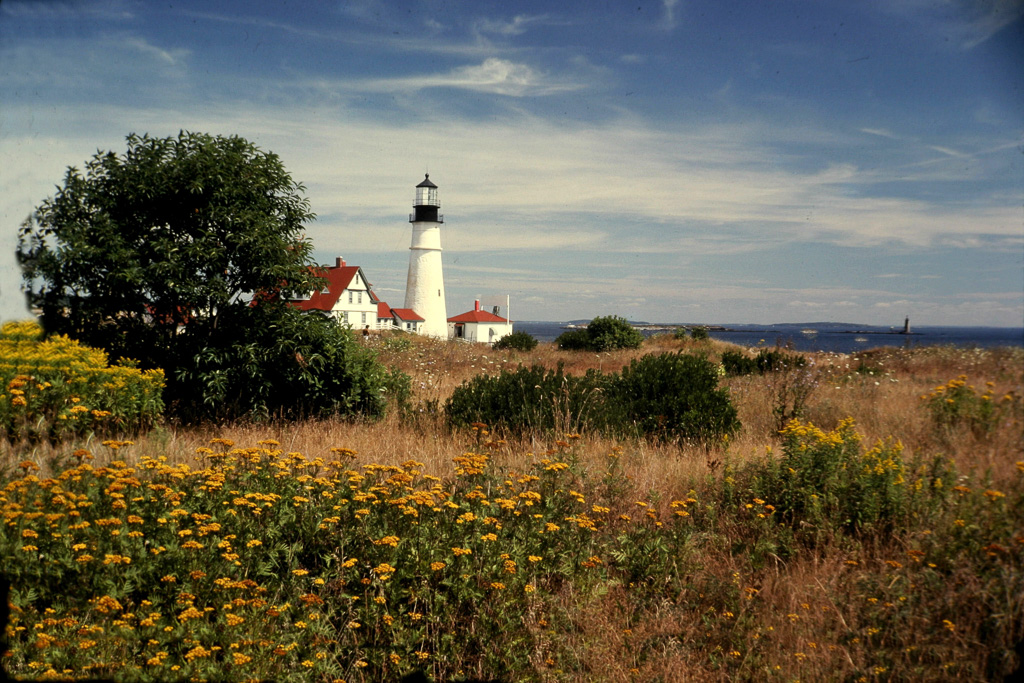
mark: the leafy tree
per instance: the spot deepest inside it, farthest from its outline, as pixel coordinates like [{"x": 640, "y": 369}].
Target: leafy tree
[
  {"x": 602, "y": 334},
  {"x": 157, "y": 254}
]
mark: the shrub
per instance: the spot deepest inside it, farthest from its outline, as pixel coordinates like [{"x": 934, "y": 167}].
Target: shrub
[
  {"x": 612, "y": 332},
  {"x": 737, "y": 363},
  {"x": 766, "y": 360},
  {"x": 574, "y": 340},
  {"x": 517, "y": 341},
  {"x": 290, "y": 365},
  {"x": 397, "y": 341},
  {"x": 669, "y": 397},
  {"x": 528, "y": 398},
  {"x": 58, "y": 387},
  {"x": 602, "y": 334},
  {"x": 773, "y": 360},
  {"x": 700, "y": 333},
  {"x": 958, "y": 403},
  {"x": 825, "y": 479},
  {"x": 672, "y": 397}
]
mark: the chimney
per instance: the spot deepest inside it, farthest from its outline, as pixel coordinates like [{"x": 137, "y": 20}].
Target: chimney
[
  {"x": 476, "y": 306},
  {"x": 339, "y": 262}
]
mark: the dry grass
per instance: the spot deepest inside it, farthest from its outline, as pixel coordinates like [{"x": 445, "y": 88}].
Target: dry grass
[{"x": 881, "y": 389}]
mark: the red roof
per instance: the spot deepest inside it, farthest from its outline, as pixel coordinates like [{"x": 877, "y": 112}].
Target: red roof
[
  {"x": 338, "y": 279},
  {"x": 477, "y": 316},
  {"x": 383, "y": 310},
  {"x": 406, "y": 314}
]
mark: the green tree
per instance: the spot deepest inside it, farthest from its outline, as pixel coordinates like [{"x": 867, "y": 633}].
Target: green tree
[{"x": 158, "y": 254}]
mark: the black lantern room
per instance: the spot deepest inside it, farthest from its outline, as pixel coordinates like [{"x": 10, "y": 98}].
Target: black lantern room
[{"x": 427, "y": 204}]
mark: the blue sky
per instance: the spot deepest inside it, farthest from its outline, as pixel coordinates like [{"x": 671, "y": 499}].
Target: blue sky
[{"x": 689, "y": 161}]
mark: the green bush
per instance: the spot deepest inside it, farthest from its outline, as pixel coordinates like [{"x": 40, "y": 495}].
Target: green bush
[
  {"x": 517, "y": 341},
  {"x": 671, "y": 397},
  {"x": 528, "y": 398},
  {"x": 958, "y": 403},
  {"x": 700, "y": 333},
  {"x": 290, "y": 365},
  {"x": 574, "y": 340},
  {"x": 827, "y": 482},
  {"x": 773, "y": 360},
  {"x": 737, "y": 363},
  {"x": 397, "y": 340},
  {"x": 602, "y": 334},
  {"x": 612, "y": 332},
  {"x": 57, "y": 388},
  {"x": 667, "y": 397},
  {"x": 767, "y": 360}
]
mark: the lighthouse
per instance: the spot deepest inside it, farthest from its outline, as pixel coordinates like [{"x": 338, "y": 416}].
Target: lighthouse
[{"x": 424, "y": 288}]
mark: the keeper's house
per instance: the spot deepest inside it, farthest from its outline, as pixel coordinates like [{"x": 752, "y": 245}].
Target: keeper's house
[
  {"x": 348, "y": 298},
  {"x": 478, "y": 326}
]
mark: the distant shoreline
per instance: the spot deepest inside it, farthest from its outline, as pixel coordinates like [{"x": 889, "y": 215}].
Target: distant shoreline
[
  {"x": 830, "y": 327},
  {"x": 843, "y": 337}
]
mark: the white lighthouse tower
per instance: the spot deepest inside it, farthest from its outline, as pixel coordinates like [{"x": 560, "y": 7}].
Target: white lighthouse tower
[{"x": 424, "y": 288}]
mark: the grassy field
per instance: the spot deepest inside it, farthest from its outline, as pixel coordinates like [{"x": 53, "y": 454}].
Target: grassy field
[{"x": 879, "y": 537}]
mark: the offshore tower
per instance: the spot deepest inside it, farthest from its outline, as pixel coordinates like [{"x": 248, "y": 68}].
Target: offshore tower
[{"x": 424, "y": 287}]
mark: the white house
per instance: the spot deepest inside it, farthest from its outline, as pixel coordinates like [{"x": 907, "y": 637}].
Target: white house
[
  {"x": 479, "y": 326},
  {"x": 347, "y": 297},
  {"x": 407, "y": 319}
]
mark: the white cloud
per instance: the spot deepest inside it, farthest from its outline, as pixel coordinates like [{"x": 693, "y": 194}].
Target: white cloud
[
  {"x": 990, "y": 17},
  {"x": 881, "y": 132},
  {"x": 169, "y": 57},
  {"x": 494, "y": 75},
  {"x": 516, "y": 27},
  {"x": 968, "y": 23},
  {"x": 668, "y": 21},
  {"x": 36, "y": 10}
]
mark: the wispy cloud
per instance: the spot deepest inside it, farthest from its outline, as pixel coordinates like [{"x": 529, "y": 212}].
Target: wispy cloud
[
  {"x": 494, "y": 75},
  {"x": 40, "y": 10},
  {"x": 989, "y": 18},
  {"x": 172, "y": 57},
  {"x": 968, "y": 22},
  {"x": 881, "y": 132},
  {"x": 668, "y": 19},
  {"x": 517, "y": 26}
]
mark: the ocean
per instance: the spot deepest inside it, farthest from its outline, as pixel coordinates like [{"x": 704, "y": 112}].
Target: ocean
[{"x": 835, "y": 337}]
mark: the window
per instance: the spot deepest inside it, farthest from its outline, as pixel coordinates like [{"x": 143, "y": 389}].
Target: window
[
  {"x": 350, "y": 296},
  {"x": 359, "y": 295},
  {"x": 364, "y": 318}
]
